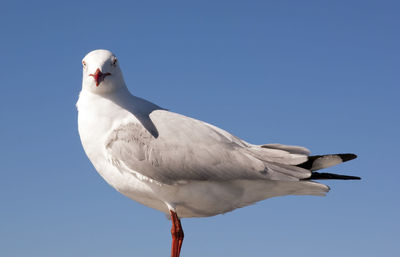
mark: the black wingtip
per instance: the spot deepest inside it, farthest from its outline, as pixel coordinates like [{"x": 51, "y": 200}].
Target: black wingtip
[
  {"x": 344, "y": 157},
  {"x": 318, "y": 176},
  {"x": 347, "y": 156}
]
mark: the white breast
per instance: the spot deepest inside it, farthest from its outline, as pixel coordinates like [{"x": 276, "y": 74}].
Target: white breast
[{"x": 97, "y": 116}]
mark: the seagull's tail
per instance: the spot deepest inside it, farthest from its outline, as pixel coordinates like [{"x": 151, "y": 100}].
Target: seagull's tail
[{"x": 318, "y": 162}]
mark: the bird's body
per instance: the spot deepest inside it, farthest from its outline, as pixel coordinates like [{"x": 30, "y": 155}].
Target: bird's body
[
  {"x": 99, "y": 118},
  {"x": 177, "y": 164}
]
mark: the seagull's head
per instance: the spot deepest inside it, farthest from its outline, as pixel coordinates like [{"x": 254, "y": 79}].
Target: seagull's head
[{"x": 101, "y": 72}]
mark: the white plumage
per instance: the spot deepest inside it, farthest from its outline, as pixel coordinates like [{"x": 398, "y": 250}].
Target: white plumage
[
  {"x": 160, "y": 158},
  {"x": 179, "y": 165}
]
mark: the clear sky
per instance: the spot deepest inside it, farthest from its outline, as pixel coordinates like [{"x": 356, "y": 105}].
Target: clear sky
[{"x": 322, "y": 74}]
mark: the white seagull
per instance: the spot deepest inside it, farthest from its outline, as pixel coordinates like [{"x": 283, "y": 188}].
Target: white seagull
[{"x": 179, "y": 165}]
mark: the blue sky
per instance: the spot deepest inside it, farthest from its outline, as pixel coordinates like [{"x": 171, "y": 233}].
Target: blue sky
[{"x": 323, "y": 74}]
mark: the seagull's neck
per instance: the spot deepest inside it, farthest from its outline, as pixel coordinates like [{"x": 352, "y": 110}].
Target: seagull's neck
[{"x": 124, "y": 99}]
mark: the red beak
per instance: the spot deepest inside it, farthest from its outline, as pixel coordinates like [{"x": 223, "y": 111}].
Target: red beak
[{"x": 99, "y": 76}]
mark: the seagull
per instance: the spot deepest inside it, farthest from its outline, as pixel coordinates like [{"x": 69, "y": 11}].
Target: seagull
[{"x": 182, "y": 166}]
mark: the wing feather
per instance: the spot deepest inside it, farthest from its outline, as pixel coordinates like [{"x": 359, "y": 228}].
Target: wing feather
[{"x": 189, "y": 149}]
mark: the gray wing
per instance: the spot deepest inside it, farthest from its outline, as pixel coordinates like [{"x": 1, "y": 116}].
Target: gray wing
[{"x": 189, "y": 149}]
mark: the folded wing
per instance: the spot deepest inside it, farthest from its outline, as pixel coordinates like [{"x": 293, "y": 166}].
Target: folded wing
[{"x": 188, "y": 149}]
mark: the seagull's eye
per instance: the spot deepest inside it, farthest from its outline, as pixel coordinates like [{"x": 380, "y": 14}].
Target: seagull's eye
[
  {"x": 114, "y": 62},
  {"x": 84, "y": 64}
]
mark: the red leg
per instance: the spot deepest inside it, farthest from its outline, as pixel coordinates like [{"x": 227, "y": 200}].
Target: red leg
[
  {"x": 180, "y": 238},
  {"x": 177, "y": 235}
]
